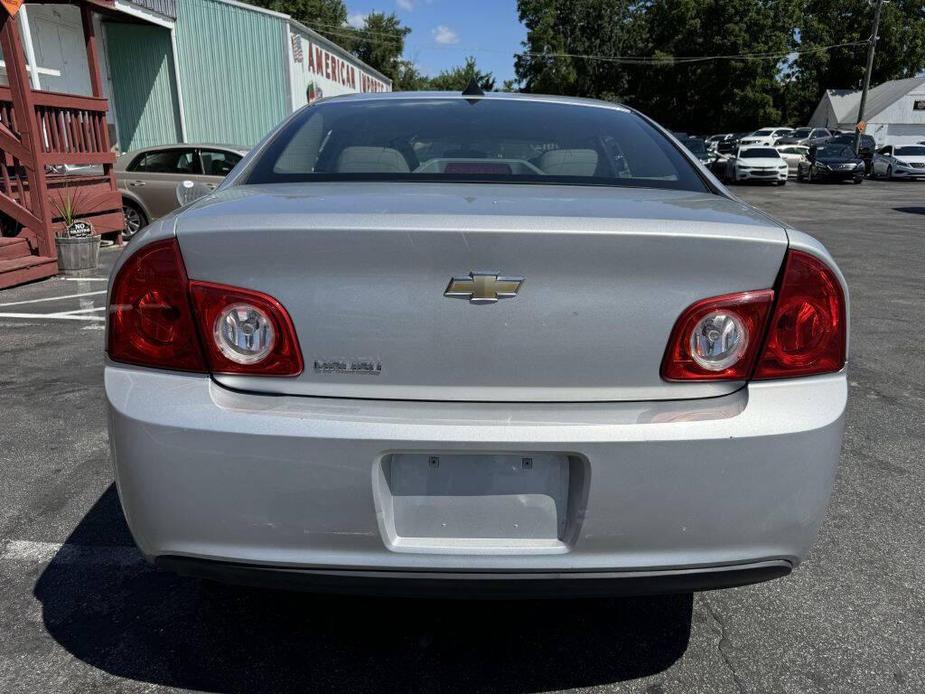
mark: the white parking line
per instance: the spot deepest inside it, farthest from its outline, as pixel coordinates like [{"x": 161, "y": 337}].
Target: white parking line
[
  {"x": 59, "y": 314},
  {"x": 85, "y": 279},
  {"x": 42, "y": 552},
  {"x": 52, "y": 298},
  {"x": 51, "y": 316}
]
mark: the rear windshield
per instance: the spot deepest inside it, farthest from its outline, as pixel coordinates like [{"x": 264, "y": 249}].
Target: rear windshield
[
  {"x": 801, "y": 132},
  {"x": 759, "y": 153},
  {"x": 458, "y": 139}
]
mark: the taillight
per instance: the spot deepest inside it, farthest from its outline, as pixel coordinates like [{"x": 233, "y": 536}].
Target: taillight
[
  {"x": 808, "y": 333},
  {"x": 245, "y": 332},
  {"x": 150, "y": 320},
  {"x": 158, "y": 318},
  {"x": 737, "y": 336},
  {"x": 717, "y": 339}
]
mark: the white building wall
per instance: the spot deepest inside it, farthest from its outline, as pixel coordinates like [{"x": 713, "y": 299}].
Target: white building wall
[
  {"x": 823, "y": 116},
  {"x": 58, "y": 40},
  {"x": 901, "y": 123},
  {"x": 898, "y": 124}
]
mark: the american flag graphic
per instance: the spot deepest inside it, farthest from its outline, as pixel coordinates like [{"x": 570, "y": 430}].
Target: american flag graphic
[{"x": 297, "y": 54}]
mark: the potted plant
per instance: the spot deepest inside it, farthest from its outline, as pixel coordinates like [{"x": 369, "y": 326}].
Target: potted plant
[{"x": 78, "y": 247}]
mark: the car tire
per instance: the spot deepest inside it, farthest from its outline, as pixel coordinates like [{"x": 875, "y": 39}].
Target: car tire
[
  {"x": 889, "y": 172},
  {"x": 858, "y": 180},
  {"x": 135, "y": 219},
  {"x": 782, "y": 183}
]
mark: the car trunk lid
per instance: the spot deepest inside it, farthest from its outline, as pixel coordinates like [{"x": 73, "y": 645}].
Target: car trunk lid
[{"x": 363, "y": 270}]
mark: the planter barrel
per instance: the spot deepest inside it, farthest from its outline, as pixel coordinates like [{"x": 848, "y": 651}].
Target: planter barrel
[{"x": 78, "y": 254}]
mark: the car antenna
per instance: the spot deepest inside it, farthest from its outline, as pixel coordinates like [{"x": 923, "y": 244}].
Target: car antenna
[{"x": 473, "y": 89}]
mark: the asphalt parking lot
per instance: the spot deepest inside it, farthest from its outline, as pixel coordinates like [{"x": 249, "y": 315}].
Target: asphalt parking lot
[{"x": 80, "y": 611}]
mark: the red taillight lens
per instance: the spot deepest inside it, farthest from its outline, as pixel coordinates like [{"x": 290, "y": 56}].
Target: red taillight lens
[
  {"x": 717, "y": 339},
  {"x": 731, "y": 337},
  {"x": 245, "y": 332},
  {"x": 808, "y": 333},
  {"x": 150, "y": 321}
]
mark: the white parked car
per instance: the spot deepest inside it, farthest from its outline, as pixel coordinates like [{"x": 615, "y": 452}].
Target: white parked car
[
  {"x": 757, "y": 164},
  {"x": 899, "y": 161},
  {"x": 793, "y": 155},
  {"x": 766, "y": 137}
]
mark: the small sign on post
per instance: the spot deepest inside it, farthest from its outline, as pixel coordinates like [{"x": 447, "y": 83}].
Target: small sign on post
[
  {"x": 861, "y": 127},
  {"x": 12, "y": 6}
]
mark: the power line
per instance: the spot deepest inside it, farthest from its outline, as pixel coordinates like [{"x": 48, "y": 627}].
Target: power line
[{"x": 618, "y": 59}]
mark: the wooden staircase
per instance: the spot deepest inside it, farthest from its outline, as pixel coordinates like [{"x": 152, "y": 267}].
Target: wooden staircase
[
  {"x": 18, "y": 264},
  {"x": 41, "y": 134}
]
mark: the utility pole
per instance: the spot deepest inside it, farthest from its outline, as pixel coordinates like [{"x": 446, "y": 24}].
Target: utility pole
[{"x": 870, "y": 66}]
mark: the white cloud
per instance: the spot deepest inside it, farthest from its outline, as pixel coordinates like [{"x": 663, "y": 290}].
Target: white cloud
[
  {"x": 444, "y": 35},
  {"x": 356, "y": 20},
  {"x": 405, "y": 4}
]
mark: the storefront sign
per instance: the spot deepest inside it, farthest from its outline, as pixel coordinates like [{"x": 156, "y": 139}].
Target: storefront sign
[{"x": 323, "y": 63}]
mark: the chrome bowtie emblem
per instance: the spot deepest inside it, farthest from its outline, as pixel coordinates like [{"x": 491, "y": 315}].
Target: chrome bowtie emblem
[{"x": 483, "y": 287}]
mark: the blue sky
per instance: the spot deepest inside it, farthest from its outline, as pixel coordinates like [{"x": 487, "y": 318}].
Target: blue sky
[{"x": 444, "y": 32}]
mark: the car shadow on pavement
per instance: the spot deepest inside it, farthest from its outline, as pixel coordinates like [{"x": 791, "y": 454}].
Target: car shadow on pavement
[{"x": 122, "y": 616}]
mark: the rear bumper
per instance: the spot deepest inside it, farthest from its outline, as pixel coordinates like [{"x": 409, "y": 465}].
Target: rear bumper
[
  {"x": 407, "y": 584},
  {"x": 295, "y": 484}
]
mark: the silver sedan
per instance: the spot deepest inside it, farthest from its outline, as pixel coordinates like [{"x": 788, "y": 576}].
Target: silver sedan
[
  {"x": 899, "y": 161},
  {"x": 475, "y": 344}
]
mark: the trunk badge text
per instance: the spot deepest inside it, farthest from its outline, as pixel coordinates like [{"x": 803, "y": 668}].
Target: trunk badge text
[
  {"x": 483, "y": 287},
  {"x": 360, "y": 367}
]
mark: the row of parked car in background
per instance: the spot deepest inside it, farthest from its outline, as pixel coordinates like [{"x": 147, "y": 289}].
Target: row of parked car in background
[{"x": 776, "y": 154}]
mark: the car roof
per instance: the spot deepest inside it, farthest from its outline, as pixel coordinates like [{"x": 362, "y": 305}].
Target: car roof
[
  {"x": 492, "y": 96},
  {"x": 188, "y": 145}
]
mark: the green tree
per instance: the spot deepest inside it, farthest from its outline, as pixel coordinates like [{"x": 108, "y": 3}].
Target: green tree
[
  {"x": 560, "y": 32},
  {"x": 458, "y": 78},
  {"x": 410, "y": 79},
  {"x": 327, "y": 17},
  {"x": 698, "y": 88},
  {"x": 900, "y": 49},
  {"x": 381, "y": 43},
  {"x": 660, "y": 56}
]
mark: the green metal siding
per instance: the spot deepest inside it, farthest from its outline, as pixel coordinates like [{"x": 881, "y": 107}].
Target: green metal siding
[
  {"x": 233, "y": 71},
  {"x": 143, "y": 84}
]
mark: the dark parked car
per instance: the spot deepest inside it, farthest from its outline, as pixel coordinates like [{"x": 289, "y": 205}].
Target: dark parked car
[
  {"x": 730, "y": 145},
  {"x": 698, "y": 147},
  {"x": 868, "y": 147},
  {"x": 832, "y": 163}
]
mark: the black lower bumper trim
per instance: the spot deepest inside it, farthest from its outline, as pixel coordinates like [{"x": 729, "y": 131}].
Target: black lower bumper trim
[{"x": 477, "y": 585}]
